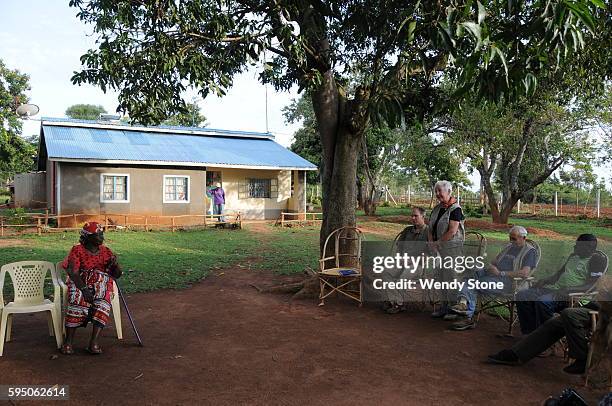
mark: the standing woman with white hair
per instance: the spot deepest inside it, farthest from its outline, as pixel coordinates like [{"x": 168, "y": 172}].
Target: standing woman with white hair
[{"x": 446, "y": 236}]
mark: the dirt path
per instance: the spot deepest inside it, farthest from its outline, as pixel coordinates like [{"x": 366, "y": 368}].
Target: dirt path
[{"x": 221, "y": 342}]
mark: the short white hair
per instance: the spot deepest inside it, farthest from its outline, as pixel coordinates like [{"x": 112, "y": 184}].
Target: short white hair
[
  {"x": 444, "y": 185},
  {"x": 522, "y": 231}
]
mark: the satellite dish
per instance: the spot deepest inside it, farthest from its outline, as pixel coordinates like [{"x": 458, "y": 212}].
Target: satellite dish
[{"x": 27, "y": 110}]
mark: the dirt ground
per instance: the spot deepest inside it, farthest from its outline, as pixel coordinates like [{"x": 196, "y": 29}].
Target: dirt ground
[{"x": 221, "y": 342}]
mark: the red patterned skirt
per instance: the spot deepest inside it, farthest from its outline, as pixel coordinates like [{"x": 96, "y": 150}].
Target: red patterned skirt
[{"x": 79, "y": 312}]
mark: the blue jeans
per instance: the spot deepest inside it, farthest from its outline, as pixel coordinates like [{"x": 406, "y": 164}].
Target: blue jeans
[
  {"x": 218, "y": 209},
  {"x": 536, "y": 305},
  {"x": 471, "y": 295}
]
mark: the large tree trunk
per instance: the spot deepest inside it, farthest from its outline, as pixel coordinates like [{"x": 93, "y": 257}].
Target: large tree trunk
[
  {"x": 507, "y": 206},
  {"x": 340, "y": 124}
]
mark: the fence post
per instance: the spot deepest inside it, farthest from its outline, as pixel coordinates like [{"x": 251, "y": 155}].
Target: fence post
[
  {"x": 74, "y": 219},
  {"x": 518, "y": 207},
  {"x": 38, "y": 225},
  {"x": 46, "y": 217},
  {"x": 146, "y": 223},
  {"x": 408, "y": 194},
  {"x": 598, "y": 200},
  {"x": 173, "y": 224},
  {"x": 556, "y": 205}
]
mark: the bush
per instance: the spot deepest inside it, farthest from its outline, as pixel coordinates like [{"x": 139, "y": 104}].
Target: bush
[
  {"x": 473, "y": 211},
  {"x": 385, "y": 204}
]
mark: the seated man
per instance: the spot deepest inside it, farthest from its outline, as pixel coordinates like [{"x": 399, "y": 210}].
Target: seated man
[
  {"x": 572, "y": 323},
  {"x": 417, "y": 232},
  {"x": 517, "y": 259},
  {"x": 548, "y": 296}
]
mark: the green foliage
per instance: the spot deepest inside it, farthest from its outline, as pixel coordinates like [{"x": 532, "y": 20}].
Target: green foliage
[
  {"x": 306, "y": 140},
  {"x": 85, "y": 111},
  {"x": 433, "y": 158},
  {"x": 16, "y": 153},
  {"x": 151, "y": 52},
  {"x": 192, "y": 117}
]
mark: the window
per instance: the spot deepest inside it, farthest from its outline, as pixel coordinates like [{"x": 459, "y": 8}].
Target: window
[
  {"x": 259, "y": 188},
  {"x": 176, "y": 189},
  {"x": 114, "y": 188}
]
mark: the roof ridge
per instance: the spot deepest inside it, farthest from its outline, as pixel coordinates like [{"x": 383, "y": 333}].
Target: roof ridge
[{"x": 69, "y": 122}]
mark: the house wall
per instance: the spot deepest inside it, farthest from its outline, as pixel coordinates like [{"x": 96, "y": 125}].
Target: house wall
[
  {"x": 255, "y": 208},
  {"x": 80, "y": 191}
]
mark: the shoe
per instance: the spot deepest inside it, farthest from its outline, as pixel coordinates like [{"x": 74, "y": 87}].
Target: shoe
[
  {"x": 460, "y": 308},
  {"x": 438, "y": 314},
  {"x": 467, "y": 324},
  {"x": 450, "y": 317},
  {"x": 577, "y": 368},
  {"x": 394, "y": 309},
  {"x": 504, "y": 357}
]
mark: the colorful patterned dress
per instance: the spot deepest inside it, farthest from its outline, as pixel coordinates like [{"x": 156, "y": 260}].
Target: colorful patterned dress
[{"x": 93, "y": 269}]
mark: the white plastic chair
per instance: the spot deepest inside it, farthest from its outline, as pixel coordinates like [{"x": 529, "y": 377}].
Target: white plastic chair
[
  {"x": 115, "y": 304},
  {"x": 28, "y": 279}
]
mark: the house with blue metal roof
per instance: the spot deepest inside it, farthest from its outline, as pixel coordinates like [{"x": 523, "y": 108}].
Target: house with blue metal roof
[{"x": 98, "y": 167}]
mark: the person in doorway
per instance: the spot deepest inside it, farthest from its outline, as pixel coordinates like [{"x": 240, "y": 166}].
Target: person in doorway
[{"x": 218, "y": 196}]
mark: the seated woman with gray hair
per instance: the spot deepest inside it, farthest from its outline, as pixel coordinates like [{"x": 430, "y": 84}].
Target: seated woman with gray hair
[
  {"x": 446, "y": 235},
  {"x": 516, "y": 260}
]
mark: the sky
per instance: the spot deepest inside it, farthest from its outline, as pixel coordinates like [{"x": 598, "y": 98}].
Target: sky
[{"x": 44, "y": 39}]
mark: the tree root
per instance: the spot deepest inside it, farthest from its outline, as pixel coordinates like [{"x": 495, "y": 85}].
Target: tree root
[{"x": 306, "y": 289}]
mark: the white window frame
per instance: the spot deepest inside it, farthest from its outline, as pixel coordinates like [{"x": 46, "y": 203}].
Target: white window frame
[
  {"x": 188, "y": 189},
  {"x": 127, "y": 188}
]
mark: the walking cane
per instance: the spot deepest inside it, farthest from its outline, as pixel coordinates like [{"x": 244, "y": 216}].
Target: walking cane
[{"x": 127, "y": 310}]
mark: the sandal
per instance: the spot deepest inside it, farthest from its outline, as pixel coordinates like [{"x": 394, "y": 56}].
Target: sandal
[
  {"x": 94, "y": 350},
  {"x": 66, "y": 349}
]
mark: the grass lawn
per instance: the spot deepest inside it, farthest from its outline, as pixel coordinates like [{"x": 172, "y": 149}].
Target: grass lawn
[
  {"x": 150, "y": 261},
  {"x": 159, "y": 260}
]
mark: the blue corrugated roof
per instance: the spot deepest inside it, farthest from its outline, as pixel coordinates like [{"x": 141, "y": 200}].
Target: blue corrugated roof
[
  {"x": 128, "y": 126},
  {"x": 133, "y": 144}
]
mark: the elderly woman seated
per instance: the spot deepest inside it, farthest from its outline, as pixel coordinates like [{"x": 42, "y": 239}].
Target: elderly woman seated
[
  {"x": 91, "y": 267},
  {"x": 517, "y": 259}
]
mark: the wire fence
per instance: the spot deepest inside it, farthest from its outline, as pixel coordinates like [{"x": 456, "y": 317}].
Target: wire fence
[{"x": 591, "y": 203}]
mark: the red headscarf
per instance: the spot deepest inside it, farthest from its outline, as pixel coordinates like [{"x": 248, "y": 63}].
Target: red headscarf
[{"x": 91, "y": 228}]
